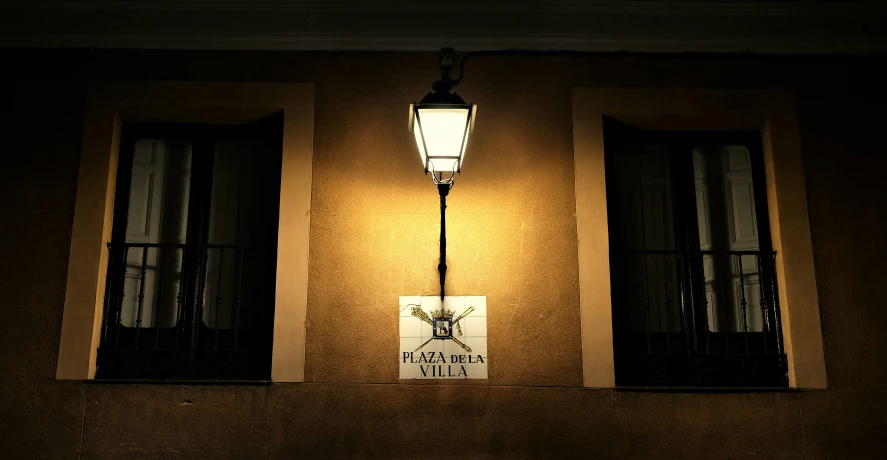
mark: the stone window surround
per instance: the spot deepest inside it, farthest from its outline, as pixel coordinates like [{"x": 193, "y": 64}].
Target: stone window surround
[
  {"x": 111, "y": 104},
  {"x": 770, "y": 112}
]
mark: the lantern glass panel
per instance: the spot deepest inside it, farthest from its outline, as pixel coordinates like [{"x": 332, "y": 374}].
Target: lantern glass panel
[{"x": 441, "y": 135}]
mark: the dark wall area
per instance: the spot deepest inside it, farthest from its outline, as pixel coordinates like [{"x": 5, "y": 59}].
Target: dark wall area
[{"x": 523, "y": 411}]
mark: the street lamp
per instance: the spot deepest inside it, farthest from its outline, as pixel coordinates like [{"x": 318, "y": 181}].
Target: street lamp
[{"x": 441, "y": 122}]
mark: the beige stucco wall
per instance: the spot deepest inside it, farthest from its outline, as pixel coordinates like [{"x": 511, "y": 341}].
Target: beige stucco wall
[
  {"x": 511, "y": 237},
  {"x": 511, "y": 231}
]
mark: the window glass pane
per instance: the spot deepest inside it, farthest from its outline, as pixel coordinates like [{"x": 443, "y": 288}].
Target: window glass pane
[
  {"x": 157, "y": 213},
  {"x": 727, "y": 221},
  {"x": 239, "y": 208},
  {"x": 642, "y": 203}
]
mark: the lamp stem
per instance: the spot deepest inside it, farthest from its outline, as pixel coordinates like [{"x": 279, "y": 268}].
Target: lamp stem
[{"x": 443, "y": 189}]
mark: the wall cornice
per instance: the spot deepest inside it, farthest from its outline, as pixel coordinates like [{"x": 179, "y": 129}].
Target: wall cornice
[{"x": 792, "y": 27}]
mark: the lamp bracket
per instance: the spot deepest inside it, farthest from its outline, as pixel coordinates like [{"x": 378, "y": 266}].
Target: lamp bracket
[
  {"x": 443, "y": 87},
  {"x": 447, "y": 61}
]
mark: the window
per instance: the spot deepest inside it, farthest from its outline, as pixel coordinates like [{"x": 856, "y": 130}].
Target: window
[
  {"x": 109, "y": 107},
  {"x": 190, "y": 285},
  {"x": 693, "y": 281},
  {"x": 770, "y": 113}
]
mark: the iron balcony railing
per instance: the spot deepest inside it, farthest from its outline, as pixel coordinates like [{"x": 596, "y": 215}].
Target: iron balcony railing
[
  {"x": 177, "y": 311},
  {"x": 697, "y": 318}
]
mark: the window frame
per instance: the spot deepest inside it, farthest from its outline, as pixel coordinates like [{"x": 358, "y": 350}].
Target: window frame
[
  {"x": 123, "y": 352},
  {"x": 772, "y": 113},
  {"x": 761, "y": 367},
  {"x": 108, "y": 106}
]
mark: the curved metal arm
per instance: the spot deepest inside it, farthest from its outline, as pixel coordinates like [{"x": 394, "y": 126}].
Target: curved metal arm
[
  {"x": 504, "y": 52},
  {"x": 439, "y": 179}
]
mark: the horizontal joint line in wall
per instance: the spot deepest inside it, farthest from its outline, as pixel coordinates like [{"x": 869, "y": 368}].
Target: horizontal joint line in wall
[{"x": 449, "y": 212}]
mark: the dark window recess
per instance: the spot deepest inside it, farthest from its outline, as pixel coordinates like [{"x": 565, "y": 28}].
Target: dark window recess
[
  {"x": 191, "y": 274},
  {"x": 695, "y": 300}
]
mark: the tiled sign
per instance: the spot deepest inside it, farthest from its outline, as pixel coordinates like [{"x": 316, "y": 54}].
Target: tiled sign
[{"x": 447, "y": 341}]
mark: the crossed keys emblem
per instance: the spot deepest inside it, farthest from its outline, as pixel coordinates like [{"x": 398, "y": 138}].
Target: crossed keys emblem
[{"x": 442, "y": 324}]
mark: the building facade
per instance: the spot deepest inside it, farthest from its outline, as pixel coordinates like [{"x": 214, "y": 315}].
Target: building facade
[{"x": 539, "y": 226}]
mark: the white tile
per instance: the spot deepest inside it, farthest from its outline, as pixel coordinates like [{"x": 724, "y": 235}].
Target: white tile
[
  {"x": 476, "y": 371},
  {"x": 463, "y": 324},
  {"x": 478, "y": 345},
  {"x": 451, "y": 348},
  {"x": 410, "y": 370},
  {"x": 408, "y": 344},
  {"x": 410, "y": 327},
  {"x": 474, "y": 326},
  {"x": 406, "y": 303},
  {"x": 430, "y": 303},
  {"x": 434, "y": 346},
  {"x": 425, "y": 329},
  {"x": 454, "y": 304},
  {"x": 479, "y": 303},
  {"x": 459, "y": 327},
  {"x": 442, "y": 371},
  {"x": 454, "y": 372}
]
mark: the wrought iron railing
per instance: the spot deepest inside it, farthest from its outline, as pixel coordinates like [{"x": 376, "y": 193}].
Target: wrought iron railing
[
  {"x": 176, "y": 311},
  {"x": 697, "y": 318}
]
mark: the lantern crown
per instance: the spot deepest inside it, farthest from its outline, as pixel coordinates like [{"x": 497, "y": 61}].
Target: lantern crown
[{"x": 441, "y": 122}]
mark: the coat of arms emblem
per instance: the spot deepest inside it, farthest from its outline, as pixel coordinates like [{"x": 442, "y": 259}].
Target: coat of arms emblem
[{"x": 442, "y": 324}]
